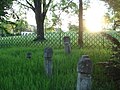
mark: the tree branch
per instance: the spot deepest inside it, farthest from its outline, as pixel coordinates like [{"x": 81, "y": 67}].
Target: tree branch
[
  {"x": 67, "y": 5},
  {"x": 25, "y": 5},
  {"x": 46, "y": 6},
  {"x": 32, "y": 7}
]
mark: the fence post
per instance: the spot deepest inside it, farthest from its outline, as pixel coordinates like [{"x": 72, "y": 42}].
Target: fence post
[
  {"x": 48, "y": 53},
  {"x": 67, "y": 45},
  {"x": 84, "y": 70}
]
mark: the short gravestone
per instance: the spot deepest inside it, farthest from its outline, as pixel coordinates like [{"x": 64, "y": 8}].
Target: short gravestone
[
  {"x": 67, "y": 46},
  {"x": 84, "y": 70},
  {"x": 48, "y": 53},
  {"x": 29, "y": 55}
]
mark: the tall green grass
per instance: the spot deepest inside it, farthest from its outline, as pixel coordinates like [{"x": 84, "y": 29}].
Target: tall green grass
[{"x": 19, "y": 73}]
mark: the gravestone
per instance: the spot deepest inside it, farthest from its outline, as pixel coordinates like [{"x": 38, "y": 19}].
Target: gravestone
[
  {"x": 84, "y": 70},
  {"x": 29, "y": 55},
  {"x": 67, "y": 46},
  {"x": 48, "y": 53}
]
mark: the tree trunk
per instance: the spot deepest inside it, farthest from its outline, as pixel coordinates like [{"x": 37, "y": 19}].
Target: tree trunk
[
  {"x": 39, "y": 20},
  {"x": 80, "y": 38},
  {"x": 40, "y": 27}
]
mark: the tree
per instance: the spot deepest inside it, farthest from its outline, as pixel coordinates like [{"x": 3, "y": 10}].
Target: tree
[
  {"x": 40, "y": 8},
  {"x": 114, "y": 4},
  {"x": 115, "y": 8},
  {"x": 4, "y": 6},
  {"x": 7, "y": 27}
]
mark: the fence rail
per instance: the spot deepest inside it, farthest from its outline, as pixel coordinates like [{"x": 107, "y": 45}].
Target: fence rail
[{"x": 55, "y": 40}]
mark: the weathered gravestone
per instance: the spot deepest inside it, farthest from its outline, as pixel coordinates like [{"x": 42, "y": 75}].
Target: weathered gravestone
[
  {"x": 48, "y": 53},
  {"x": 84, "y": 70},
  {"x": 67, "y": 46},
  {"x": 29, "y": 55}
]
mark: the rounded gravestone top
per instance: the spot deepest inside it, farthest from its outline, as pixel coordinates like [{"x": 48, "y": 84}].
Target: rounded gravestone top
[
  {"x": 66, "y": 39},
  {"x": 48, "y": 52},
  {"x": 85, "y": 56},
  {"x": 84, "y": 65}
]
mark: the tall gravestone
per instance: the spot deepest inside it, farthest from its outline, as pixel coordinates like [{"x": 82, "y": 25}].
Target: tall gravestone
[
  {"x": 67, "y": 46},
  {"x": 48, "y": 53},
  {"x": 84, "y": 69}
]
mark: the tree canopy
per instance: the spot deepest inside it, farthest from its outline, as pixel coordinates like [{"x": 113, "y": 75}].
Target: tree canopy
[
  {"x": 4, "y": 5},
  {"x": 115, "y": 6}
]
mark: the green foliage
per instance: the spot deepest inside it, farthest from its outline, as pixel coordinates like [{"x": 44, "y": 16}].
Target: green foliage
[
  {"x": 4, "y": 5},
  {"x": 6, "y": 27},
  {"x": 21, "y": 25},
  {"x": 50, "y": 29},
  {"x": 115, "y": 7},
  {"x": 86, "y": 4},
  {"x": 62, "y": 6},
  {"x": 73, "y": 28},
  {"x": 113, "y": 4}
]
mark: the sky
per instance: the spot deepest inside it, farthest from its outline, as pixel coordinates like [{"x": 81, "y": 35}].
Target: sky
[
  {"x": 96, "y": 10},
  {"x": 94, "y": 4},
  {"x": 94, "y": 16}
]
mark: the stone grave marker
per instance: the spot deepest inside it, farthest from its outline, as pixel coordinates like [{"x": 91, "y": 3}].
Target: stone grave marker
[
  {"x": 84, "y": 70},
  {"x": 29, "y": 55},
  {"x": 67, "y": 46},
  {"x": 48, "y": 53}
]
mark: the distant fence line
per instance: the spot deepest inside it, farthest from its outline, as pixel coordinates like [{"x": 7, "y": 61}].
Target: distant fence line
[{"x": 55, "y": 40}]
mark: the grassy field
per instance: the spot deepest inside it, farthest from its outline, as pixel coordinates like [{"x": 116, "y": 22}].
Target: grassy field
[{"x": 19, "y": 73}]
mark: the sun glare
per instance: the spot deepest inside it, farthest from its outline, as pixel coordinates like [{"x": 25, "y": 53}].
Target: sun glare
[{"x": 93, "y": 19}]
